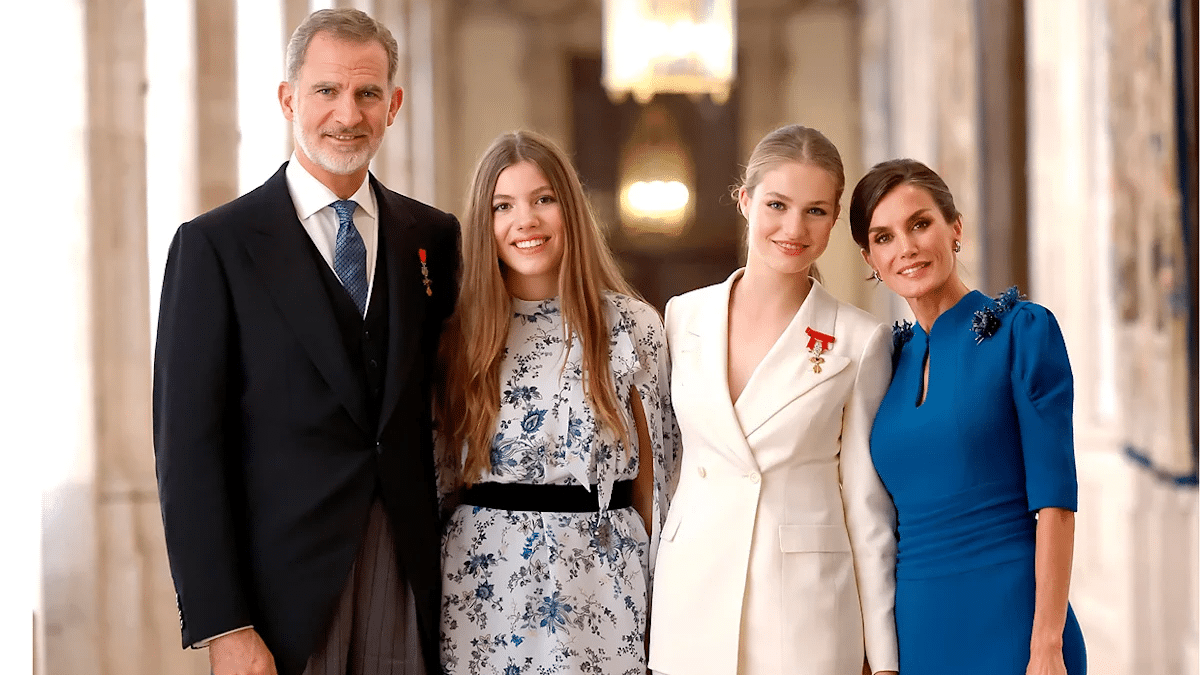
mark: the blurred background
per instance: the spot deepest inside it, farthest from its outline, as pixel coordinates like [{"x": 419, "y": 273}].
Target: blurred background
[{"x": 1065, "y": 128}]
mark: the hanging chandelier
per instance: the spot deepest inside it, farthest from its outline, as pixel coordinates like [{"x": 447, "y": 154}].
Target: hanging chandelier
[{"x": 668, "y": 46}]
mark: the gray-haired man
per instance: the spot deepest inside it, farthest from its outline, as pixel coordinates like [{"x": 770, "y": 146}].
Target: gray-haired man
[{"x": 292, "y": 386}]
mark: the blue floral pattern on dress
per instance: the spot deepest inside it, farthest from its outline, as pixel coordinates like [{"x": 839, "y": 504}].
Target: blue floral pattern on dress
[
  {"x": 986, "y": 321},
  {"x": 901, "y": 334},
  {"x": 545, "y": 593}
]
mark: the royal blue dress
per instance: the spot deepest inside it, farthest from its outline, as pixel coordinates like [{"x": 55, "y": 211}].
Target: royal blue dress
[{"x": 968, "y": 468}]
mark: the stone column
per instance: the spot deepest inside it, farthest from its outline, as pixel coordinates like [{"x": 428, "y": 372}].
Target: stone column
[
  {"x": 171, "y": 112},
  {"x": 107, "y": 603},
  {"x": 263, "y": 139},
  {"x": 957, "y": 132},
  {"x": 216, "y": 100},
  {"x": 436, "y": 179},
  {"x": 876, "y": 137},
  {"x": 393, "y": 163},
  {"x": 110, "y": 599},
  {"x": 52, "y": 414},
  {"x": 819, "y": 96},
  {"x": 1003, "y": 240},
  {"x": 1106, "y": 256},
  {"x": 1070, "y": 268},
  {"x": 415, "y": 156},
  {"x": 760, "y": 98},
  {"x": 920, "y": 100},
  {"x": 761, "y": 60},
  {"x": 1152, "y": 331},
  {"x": 107, "y": 599},
  {"x": 494, "y": 93},
  {"x": 545, "y": 69},
  {"x": 294, "y": 12},
  {"x": 46, "y": 405}
]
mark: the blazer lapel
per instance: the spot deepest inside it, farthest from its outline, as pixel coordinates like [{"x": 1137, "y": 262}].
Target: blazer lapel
[
  {"x": 786, "y": 373},
  {"x": 282, "y": 253},
  {"x": 709, "y": 328},
  {"x": 406, "y": 294}
]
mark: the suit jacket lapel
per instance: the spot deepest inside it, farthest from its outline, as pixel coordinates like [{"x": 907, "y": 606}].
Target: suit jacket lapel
[
  {"x": 282, "y": 253},
  {"x": 406, "y": 293},
  {"x": 786, "y": 373},
  {"x": 710, "y": 328}
]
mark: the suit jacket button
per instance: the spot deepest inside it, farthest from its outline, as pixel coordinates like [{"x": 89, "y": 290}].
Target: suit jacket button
[
  {"x": 700, "y": 470},
  {"x": 754, "y": 477}
]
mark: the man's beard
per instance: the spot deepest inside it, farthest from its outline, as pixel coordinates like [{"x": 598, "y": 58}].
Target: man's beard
[{"x": 337, "y": 163}]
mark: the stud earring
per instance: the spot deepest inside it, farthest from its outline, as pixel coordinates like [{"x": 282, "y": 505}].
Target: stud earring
[
  {"x": 876, "y": 277},
  {"x": 957, "y": 246}
]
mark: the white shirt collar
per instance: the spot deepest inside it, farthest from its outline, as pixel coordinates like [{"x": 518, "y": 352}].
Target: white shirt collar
[{"x": 310, "y": 195}]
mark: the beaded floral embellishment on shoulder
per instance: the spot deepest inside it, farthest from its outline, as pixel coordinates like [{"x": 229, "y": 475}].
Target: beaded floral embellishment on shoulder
[
  {"x": 986, "y": 321},
  {"x": 901, "y": 334}
]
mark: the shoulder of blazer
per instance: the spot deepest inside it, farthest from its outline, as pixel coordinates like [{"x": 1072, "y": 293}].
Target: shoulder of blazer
[
  {"x": 683, "y": 309},
  {"x": 271, "y": 200}
]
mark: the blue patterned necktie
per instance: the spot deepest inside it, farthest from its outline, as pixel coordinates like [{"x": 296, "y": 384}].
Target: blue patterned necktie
[{"x": 350, "y": 255}]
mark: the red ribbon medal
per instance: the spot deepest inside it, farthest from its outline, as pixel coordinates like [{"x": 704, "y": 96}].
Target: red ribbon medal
[
  {"x": 425, "y": 272},
  {"x": 818, "y": 344}
]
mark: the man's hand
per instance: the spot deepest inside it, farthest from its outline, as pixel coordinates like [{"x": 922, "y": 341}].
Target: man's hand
[{"x": 240, "y": 653}]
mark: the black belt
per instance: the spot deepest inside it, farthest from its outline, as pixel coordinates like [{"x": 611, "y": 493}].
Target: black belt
[{"x": 548, "y": 498}]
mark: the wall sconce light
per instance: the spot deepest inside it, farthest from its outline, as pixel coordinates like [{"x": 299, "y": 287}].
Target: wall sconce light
[{"x": 656, "y": 176}]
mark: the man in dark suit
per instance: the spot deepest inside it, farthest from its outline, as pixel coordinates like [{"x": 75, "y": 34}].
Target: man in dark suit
[{"x": 292, "y": 436}]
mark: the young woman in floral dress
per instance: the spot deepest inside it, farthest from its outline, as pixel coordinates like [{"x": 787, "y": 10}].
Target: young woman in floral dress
[{"x": 557, "y": 433}]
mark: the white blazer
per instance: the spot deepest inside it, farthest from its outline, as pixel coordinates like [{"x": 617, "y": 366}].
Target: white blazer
[{"x": 778, "y": 553}]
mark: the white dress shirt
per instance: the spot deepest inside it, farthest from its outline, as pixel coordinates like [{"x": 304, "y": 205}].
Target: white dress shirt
[{"x": 312, "y": 201}]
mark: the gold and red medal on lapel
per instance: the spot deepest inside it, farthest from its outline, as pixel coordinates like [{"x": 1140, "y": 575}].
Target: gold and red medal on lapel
[
  {"x": 425, "y": 272},
  {"x": 818, "y": 344}
]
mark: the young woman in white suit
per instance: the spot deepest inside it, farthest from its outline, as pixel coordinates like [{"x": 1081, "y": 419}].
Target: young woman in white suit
[{"x": 778, "y": 552}]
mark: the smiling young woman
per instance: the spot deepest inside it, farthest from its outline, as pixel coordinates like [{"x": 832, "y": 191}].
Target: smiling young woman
[
  {"x": 556, "y": 431},
  {"x": 527, "y": 221},
  {"x": 778, "y": 552},
  {"x": 974, "y": 443}
]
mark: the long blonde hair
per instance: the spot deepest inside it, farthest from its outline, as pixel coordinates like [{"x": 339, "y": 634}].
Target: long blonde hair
[
  {"x": 793, "y": 143},
  {"x": 473, "y": 342}
]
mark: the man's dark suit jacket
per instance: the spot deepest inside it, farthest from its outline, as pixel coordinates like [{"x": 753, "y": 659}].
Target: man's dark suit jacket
[{"x": 268, "y": 451}]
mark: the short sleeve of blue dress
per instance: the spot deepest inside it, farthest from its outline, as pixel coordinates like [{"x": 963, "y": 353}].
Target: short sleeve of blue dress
[{"x": 1043, "y": 394}]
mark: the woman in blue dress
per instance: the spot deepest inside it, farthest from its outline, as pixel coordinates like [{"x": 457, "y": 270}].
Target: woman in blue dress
[{"x": 974, "y": 442}]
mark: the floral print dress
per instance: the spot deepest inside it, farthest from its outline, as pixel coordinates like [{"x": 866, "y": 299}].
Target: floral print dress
[{"x": 541, "y": 592}]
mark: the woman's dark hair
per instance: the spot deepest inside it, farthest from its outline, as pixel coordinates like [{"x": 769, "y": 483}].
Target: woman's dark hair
[{"x": 887, "y": 176}]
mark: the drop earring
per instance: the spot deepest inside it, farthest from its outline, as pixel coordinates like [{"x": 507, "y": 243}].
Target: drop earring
[
  {"x": 876, "y": 277},
  {"x": 957, "y": 246}
]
